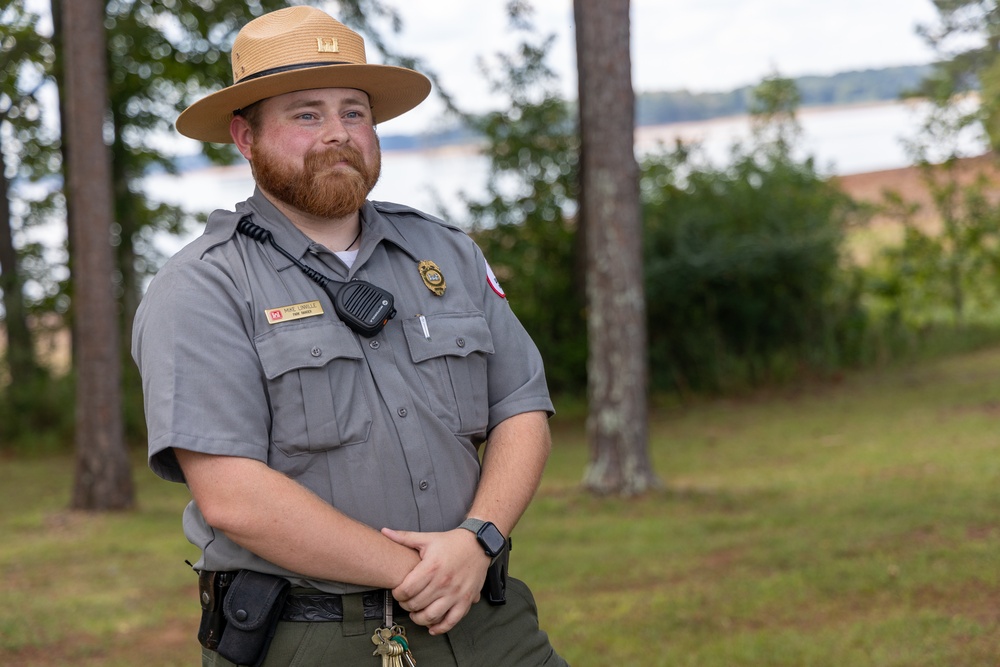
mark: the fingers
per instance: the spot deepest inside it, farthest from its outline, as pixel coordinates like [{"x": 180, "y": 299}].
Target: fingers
[
  {"x": 407, "y": 538},
  {"x": 438, "y": 618},
  {"x": 414, "y": 592},
  {"x": 439, "y": 591}
]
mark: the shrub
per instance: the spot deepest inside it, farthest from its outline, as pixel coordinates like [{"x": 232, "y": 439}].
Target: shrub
[{"x": 743, "y": 269}]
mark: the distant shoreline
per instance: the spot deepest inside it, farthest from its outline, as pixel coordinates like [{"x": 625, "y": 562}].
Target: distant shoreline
[{"x": 472, "y": 145}]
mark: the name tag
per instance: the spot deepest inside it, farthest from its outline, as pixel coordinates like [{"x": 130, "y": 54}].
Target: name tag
[{"x": 294, "y": 312}]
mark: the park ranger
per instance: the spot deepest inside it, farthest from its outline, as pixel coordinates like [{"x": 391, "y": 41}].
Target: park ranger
[{"x": 322, "y": 371}]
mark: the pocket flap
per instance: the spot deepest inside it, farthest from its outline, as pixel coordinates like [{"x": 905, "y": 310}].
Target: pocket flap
[
  {"x": 312, "y": 346},
  {"x": 447, "y": 334},
  {"x": 252, "y": 599}
]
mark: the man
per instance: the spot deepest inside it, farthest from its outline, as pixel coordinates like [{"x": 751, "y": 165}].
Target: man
[{"x": 330, "y": 442}]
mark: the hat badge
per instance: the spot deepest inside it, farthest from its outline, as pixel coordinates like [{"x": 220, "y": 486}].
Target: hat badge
[{"x": 327, "y": 45}]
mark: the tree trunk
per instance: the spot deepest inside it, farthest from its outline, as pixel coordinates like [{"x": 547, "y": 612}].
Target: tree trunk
[
  {"x": 22, "y": 365},
  {"x": 617, "y": 425},
  {"x": 125, "y": 204},
  {"x": 103, "y": 478}
]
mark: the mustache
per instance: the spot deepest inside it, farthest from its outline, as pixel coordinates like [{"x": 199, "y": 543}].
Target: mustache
[{"x": 328, "y": 158}]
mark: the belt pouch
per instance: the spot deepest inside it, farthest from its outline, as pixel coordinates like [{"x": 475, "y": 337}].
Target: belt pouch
[
  {"x": 211, "y": 591},
  {"x": 495, "y": 586},
  {"x": 252, "y": 608}
]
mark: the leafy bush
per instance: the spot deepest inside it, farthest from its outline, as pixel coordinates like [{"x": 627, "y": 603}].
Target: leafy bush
[
  {"x": 526, "y": 225},
  {"x": 37, "y": 416},
  {"x": 743, "y": 269}
]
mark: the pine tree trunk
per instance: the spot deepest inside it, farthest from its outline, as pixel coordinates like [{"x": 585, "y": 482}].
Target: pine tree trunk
[
  {"x": 22, "y": 366},
  {"x": 617, "y": 425},
  {"x": 103, "y": 478}
]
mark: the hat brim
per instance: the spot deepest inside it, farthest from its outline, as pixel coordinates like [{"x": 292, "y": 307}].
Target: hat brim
[{"x": 391, "y": 90}]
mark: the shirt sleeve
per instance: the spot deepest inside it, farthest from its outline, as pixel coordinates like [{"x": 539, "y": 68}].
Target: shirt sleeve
[
  {"x": 203, "y": 387},
  {"x": 516, "y": 373}
]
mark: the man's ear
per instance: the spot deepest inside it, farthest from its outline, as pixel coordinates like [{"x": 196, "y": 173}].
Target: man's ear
[{"x": 239, "y": 130}]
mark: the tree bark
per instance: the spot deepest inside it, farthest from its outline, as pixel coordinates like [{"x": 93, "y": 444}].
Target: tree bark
[
  {"x": 22, "y": 365},
  {"x": 617, "y": 424},
  {"x": 103, "y": 478}
]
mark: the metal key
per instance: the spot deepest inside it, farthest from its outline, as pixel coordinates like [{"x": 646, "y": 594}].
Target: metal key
[
  {"x": 399, "y": 636},
  {"x": 389, "y": 650}
]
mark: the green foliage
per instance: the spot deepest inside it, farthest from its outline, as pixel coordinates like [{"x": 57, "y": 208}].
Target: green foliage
[
  {"x": 29, "y": 148},
  {"x": 743, "y": 270},
  {"x": 743, "y": 262},
  {"x": 161, "y": 57},
  {"x": 743, "y": 266},
  {"x": 28, "y": 152},
  {"x": 36, "y": 416},
  {"x": 949, "y": 273},
  {"x": 967, "y": 38},
  {"x": 524, "y": 227}
]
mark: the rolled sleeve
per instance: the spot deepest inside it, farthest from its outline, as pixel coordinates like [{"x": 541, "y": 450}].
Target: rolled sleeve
[
  {"x": 516, "y": 371},
  {"x": 202, "y": 380}
]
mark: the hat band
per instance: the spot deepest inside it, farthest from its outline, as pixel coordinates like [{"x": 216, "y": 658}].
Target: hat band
[{"x": 289, "y": 68}]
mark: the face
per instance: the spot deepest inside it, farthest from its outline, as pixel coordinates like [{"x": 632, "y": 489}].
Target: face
[{"x": 314, "y": 150}]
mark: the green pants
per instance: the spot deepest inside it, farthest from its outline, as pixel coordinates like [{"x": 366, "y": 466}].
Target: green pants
[{"x": 503, "y": 636}]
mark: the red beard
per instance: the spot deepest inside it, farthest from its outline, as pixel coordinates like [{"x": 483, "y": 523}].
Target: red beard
[{"x": 323, "y": 187}]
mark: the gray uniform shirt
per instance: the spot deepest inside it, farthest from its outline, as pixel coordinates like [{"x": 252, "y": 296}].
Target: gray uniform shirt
[{"x": 238, "y": 359}]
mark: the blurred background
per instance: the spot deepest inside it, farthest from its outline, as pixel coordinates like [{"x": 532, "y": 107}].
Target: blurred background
[{"x": 817, "y": 225}]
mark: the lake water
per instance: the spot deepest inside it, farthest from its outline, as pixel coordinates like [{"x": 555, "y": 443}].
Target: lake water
[{"x": 843, "y": 140}]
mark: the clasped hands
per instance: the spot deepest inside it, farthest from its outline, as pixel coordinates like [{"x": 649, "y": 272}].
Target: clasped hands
[{"x": 447, "y": 581}]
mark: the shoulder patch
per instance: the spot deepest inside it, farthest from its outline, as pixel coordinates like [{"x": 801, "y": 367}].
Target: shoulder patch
[{"x": 493, "y": 282}]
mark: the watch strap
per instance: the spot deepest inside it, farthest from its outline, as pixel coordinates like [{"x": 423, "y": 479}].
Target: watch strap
[{"x": 473, "y": 525}]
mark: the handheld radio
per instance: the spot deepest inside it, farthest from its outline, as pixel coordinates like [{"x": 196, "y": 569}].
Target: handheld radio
[{"x": 363, "y": 307}]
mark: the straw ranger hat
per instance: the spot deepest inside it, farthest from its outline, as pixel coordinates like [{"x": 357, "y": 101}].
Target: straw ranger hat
[{"x": 300, "y": 48}]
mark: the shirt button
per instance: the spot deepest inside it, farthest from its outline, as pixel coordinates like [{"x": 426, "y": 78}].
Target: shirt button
[
  {"x": 423, "y": 485},
  {"x": 460, "y": 342},
  {"x": 401, "y": 412},
  {"x": 316, "y": 352},
  {"x": 373, "y": 344}
]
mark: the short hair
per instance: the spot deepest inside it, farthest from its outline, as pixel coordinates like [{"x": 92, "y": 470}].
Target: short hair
[{"x": 252, "y": 115}]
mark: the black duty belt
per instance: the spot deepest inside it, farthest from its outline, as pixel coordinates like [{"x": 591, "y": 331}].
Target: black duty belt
[{"x": 319, "y": 607}]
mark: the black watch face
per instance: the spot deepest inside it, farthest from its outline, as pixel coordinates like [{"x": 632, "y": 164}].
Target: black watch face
[{"x": 491, "y": 539}]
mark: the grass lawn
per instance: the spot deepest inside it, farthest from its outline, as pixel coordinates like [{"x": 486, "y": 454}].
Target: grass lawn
[{"x": 848, "y": 524}]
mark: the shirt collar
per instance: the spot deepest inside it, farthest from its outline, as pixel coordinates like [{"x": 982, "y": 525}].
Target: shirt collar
[
  {"x": 379, "y": 228},
  {"x": 376, "y": 228}
]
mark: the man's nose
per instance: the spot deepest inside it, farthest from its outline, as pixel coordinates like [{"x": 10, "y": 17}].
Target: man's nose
[{"x": 334, "y": 131}]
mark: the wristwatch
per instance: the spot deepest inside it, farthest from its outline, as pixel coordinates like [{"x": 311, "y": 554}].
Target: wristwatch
[{"x": 489, "y": 536}]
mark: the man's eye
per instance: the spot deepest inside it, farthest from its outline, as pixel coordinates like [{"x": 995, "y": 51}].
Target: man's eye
[{"x": 307, "y": 116}]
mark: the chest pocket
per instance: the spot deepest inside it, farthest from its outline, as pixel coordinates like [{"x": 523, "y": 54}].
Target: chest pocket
[
  {"x": 450, "y": 358},
  {"x": 318, "y": 400}
]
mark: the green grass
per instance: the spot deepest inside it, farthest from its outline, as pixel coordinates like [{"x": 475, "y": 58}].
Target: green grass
[{"x": 854, "y": 523}]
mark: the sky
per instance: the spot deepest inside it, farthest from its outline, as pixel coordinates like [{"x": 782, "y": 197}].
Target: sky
[{"x": 699, "y": 45}]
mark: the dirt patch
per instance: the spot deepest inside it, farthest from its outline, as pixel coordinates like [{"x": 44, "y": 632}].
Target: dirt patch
[{"x": 910, "y": 184}]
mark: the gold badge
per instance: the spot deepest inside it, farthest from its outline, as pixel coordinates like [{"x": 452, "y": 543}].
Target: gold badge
[
  {"x": 431, "y": 274},
  {"x": 327, "y": 45},
  {"x": 294, "y": 312}
]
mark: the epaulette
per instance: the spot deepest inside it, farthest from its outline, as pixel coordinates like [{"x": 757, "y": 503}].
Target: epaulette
[{"x": 401, "y": 209}]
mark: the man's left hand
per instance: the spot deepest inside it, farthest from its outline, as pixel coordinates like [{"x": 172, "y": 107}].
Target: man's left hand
[{"x": 441, "y": 589}]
